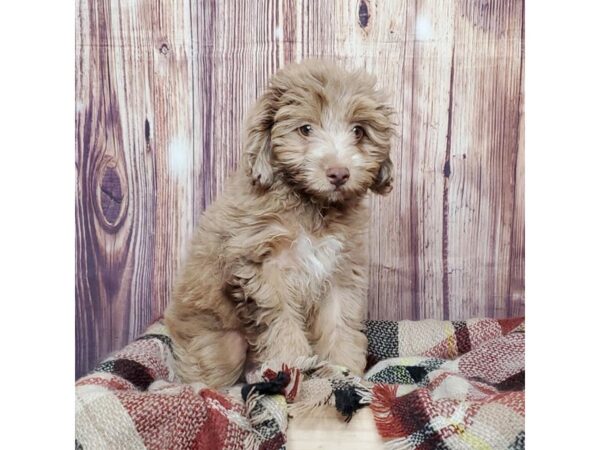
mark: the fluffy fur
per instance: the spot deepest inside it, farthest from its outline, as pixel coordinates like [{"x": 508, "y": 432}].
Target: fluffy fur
[{"x": 278, "y": 266}]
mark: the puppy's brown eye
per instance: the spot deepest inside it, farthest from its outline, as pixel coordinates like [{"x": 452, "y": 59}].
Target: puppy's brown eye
[
  {"x": 305, "y": 130},
  {"x": 358, "y": 132}
]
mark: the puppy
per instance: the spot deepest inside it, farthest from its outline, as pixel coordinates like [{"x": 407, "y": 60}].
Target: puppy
[{"x": 278, "y": 267}]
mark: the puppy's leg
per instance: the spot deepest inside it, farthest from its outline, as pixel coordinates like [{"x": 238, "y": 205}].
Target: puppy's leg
[
  {"x": 269, "y": 308},
  {"x": 206, "y": 349},
  {"x": 215, "y": 358},
  {"x": 336, "y": 330},
  {"x": 284, "y": 339}
]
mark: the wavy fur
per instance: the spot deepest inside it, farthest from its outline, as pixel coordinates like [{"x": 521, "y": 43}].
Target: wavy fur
[{"x": 278, "y": 266}]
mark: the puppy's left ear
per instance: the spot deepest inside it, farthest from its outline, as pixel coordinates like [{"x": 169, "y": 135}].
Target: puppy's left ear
[
  {"x": 257, "y": 142},
  {"x": 383, "y": 183},
  {"x": 383, "y": 127}
]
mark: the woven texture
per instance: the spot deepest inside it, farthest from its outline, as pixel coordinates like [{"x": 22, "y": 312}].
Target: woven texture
[
  {"x": 449, "y": 385},
  {"x": 432, "y": 385}
]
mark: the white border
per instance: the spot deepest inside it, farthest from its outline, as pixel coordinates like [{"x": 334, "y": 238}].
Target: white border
[
  {"x": 37, "y": 182},
  {"x": 562, "y": 122},
  {"x": 37, "y": 188}
]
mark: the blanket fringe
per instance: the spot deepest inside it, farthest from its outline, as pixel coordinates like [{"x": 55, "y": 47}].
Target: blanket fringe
[
  {"x": 303, "y": 363},
  {"x": 261, "y": 411},
  {"x": 366, "y": 394},
  {"x": 381, "y": 405},
  {"x": 347, "y": 401},
  {"x": 303, "y": 408},
  {"x": 276, "y": 386}
]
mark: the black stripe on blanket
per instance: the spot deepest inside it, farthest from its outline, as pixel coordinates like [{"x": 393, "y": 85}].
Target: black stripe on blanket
[
  {"x": 463, "y": 339},
  {"x": 417, "y": 373},
  {"x": 130, "y": 370},
  {"x": 383, "y": 339},
  {"x": 274, "y": 387},
  {"x": 161, "y": 337},
  {"x": 515, "y": 382},
  {"x": 519, "y": 442}
]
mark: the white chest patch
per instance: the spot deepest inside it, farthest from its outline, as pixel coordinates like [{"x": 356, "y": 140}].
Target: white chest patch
[
  {"x": 310, "y": 259},
  {"x": 306, "y": 267},
  {"x": 317, "y": 258}
]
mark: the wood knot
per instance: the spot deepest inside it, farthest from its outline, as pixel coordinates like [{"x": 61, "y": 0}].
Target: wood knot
[
  {"x": 147, "y": 130},
  {"x": 447, "y": 170},
  {"x": 164, "y": 49},
  {"x": 363, "y": 14},
  {"x": 110, "y": 202},
  {"x": 147, "y": 135}
]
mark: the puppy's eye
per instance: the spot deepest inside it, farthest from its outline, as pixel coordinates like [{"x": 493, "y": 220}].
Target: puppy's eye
[
  {"x": 358, "y": 132},
  {"x": 305, "y": 130}
]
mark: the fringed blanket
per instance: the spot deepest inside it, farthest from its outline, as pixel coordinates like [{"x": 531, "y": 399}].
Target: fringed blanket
[{"x": 432, "y": 385}]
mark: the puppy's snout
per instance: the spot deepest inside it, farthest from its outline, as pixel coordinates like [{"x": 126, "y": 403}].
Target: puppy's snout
[{"x": 337, "y": 175}]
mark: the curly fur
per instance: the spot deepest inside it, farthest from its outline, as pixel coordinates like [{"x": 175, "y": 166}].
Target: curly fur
[{"x": 278, "y": 266}]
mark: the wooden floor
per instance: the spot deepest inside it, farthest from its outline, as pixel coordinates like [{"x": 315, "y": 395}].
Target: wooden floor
[{"x": 326, "y": 430}]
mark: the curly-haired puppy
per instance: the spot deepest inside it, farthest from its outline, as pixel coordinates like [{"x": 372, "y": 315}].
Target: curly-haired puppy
[{"x": 278, "y": 267}]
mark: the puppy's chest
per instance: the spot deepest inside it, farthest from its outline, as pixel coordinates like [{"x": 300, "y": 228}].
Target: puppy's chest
[{"x": 310, "y": 261}]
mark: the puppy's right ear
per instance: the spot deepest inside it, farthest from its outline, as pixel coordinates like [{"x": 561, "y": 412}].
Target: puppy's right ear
[
  {"x": 258, "y": 154},
  {"x": 383, "y": 182}
]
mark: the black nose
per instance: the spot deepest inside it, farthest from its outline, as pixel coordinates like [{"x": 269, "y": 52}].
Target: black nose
[{"x": 337, "y": 175}]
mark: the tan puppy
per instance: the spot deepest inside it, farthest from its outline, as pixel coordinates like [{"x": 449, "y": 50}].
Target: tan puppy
[{"x": 278, "y": 266}]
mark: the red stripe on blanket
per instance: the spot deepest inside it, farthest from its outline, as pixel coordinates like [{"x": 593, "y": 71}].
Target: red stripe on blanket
[
  {"x": 510, "y": 324},
  {"x": 181, "y": 418},
  {"x": 401, "y": 417},
  {"x": 384, "y": 396},
  {"x": 397, "y": 416}
]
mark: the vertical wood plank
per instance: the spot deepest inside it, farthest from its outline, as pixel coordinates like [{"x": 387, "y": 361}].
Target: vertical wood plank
[
  {"x": 318, "y": 29},
  {"x": 236, "y": 52},
  {"x": 130, "y": 76},
  {"x": 516, "y": 296},
  {"x": 482, "y": 156},
  {"x": 114, "y": 181},
  {"x": 408, "y": 46},
  {"x": 377, "y": 39},
  {"x": 423, "y": 146},
  {"x": 390, "y": 285},
  {"x": 171, "y": 147}
]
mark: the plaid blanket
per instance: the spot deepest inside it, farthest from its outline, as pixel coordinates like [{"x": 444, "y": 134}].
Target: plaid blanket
[{"x": 432, "y": 385}]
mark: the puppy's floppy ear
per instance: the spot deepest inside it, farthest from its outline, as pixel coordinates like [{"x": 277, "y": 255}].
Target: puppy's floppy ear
[
  {"x": 383, "y": 132},
  {"x": 257, "y": 146},
  {"x": 383, "y": 183}
]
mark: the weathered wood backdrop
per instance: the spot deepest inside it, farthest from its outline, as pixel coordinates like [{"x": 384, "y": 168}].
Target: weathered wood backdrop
[{"x": 161, "y": 91}]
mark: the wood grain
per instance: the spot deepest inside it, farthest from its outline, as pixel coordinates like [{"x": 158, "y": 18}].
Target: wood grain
[
  {"x": 161, "y": 93},
  {"x": 482, "y": 156}
]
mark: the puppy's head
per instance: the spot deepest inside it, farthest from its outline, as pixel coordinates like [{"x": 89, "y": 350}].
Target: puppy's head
[{"x": 322, "y": 130}]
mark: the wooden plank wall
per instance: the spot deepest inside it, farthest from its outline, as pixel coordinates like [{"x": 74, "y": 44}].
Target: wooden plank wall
[{"x": 161, "y": 91}]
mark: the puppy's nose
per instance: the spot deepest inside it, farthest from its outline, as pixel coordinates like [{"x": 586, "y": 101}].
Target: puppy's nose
[{"x": 337, "y": 175}]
